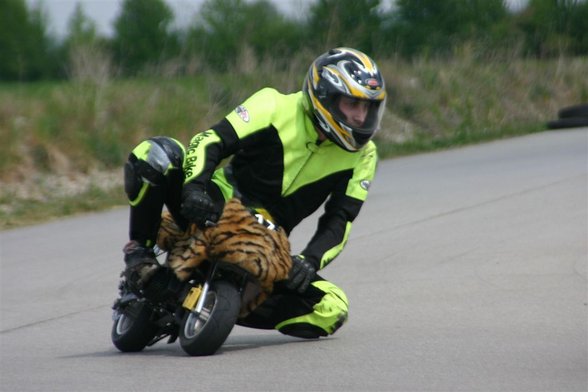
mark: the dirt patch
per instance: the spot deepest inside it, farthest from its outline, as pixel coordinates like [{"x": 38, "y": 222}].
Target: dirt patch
[{"x": 48, "y": 187}]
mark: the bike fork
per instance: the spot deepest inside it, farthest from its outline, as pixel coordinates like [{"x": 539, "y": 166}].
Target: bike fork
[{"x": 205, "y": 288}]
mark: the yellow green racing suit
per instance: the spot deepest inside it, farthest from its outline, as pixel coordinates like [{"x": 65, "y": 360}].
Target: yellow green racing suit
[{"x": 276, "y": 162}]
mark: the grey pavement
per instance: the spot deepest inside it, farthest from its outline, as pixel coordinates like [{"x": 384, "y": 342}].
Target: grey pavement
[{"x": 466, "y": 271}]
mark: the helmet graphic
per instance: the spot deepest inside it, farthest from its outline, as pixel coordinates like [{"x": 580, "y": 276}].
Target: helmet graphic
[{"x": 345, "y": 72}]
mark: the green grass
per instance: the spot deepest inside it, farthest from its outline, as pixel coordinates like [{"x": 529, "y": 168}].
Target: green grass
[
  {"x": 24, "y": 211},
  {"x": 423, "y": 144},
  {"x": 76, "y": 128}
]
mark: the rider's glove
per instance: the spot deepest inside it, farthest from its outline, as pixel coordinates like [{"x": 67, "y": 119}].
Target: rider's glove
[
  {"x": 197, "y": 207},
  {"x": 301, "y": 274}
]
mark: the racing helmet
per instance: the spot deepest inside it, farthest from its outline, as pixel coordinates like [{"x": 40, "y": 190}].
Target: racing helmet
[{"x": 344, "y": 72}]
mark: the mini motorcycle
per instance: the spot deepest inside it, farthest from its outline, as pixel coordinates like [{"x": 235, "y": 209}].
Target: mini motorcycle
[{"x": 202, "y": 307}]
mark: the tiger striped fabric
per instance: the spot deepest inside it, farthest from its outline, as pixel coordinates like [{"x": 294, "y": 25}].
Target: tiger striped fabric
[{"x": 238, "y": 238}]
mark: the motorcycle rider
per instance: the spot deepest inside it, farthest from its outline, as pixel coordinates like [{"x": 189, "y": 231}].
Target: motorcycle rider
[{"x": 290, "y": 154}]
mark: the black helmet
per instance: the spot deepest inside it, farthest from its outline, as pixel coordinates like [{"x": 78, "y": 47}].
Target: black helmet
[{"x": 344, "y": 72}]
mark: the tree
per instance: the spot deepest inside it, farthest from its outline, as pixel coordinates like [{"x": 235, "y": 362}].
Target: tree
[
  {"x": 577, "y": 29},
  {"x": 143, "y": 35},
  {"x": 28, "y": 52},
  {"x": 553, "y": 27},
  {"x": 354, "y": 23},
  {"x": 223, "y": 29},
  {"x": 81, "y": 29},
  {"x": 226, "y": 29},
  {"x": 86, "y": 52},
  {"x": 432, "y": 26}
]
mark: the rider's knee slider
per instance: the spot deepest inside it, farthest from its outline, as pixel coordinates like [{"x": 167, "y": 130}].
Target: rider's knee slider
[{"x": 303, "y": 330}]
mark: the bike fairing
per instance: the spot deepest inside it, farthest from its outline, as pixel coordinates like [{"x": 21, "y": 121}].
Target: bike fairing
[{"x": 289, "y": 176}]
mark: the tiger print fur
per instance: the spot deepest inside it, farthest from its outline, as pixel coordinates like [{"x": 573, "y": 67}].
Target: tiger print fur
[{"x": 238, "y": 238}]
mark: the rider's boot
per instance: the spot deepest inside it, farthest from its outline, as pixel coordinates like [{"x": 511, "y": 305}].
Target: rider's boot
[{"x": 141, "y": 264}]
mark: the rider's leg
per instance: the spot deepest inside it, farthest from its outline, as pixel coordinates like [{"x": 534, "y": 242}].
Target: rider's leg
[
  {"x": 153, "y": 177},
  {"x": 320, "y": 311}
]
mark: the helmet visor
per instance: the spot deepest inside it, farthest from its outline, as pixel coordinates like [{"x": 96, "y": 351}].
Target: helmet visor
[{"x": 360, "y": 117}]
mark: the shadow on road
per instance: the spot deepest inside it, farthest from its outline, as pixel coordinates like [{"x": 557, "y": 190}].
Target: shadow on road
[
  {"x": 248, "y": 342},
  {"x": 233, "y": 344}
]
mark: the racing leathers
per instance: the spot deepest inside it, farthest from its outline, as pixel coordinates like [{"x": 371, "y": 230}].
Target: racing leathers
[
  {"x": 268, "y": 153},
  {"x": 279, "y": 164}
]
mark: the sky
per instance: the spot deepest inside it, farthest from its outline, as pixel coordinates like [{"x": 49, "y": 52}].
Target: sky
[{"x": 103, "y": 12}]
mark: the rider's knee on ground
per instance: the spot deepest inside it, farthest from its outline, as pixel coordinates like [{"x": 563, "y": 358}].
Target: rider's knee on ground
[
  {"x": 303, "y": 330},
  {"x": 328, "y": 315}
]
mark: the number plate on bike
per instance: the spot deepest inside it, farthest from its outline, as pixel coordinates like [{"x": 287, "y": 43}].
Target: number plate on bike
[{"x": 192, "y": 298}]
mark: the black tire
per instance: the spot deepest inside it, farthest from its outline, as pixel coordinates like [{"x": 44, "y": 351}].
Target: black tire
[
  {"x": 204, "y": 334},
  {"x": 574, "y": 111},
  {"x": 571, "y": 122},
  {"x": 133, "y": 330}
]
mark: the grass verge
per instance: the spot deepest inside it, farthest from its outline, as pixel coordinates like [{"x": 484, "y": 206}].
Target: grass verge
[
  {"x": 24, "y": 212},
  {"x": 55, "y": 131},
  {"x": 17, "y": 211}
]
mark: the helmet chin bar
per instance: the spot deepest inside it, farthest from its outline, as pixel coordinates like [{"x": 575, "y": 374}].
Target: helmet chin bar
[
  {"x": 336, "y": 138},
  {"x": 322, "y": 125}
]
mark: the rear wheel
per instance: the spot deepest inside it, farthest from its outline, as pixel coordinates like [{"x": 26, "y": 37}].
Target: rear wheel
[
  {"x": 203, "y": 333},
  {"x": 132, "y": 329}
]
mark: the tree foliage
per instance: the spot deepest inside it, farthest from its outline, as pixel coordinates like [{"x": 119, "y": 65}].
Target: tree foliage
[
  {"x": 87, "y": 54},
  {"x": 28, "y": 53},
  {"x": 81, "y": 29},
  {"x": 224, "y": 34},
  {"x": 353, "y": 23},
  {"x": 431, "y": 26},
  {"x": 225, "y": 28},
  {"x": 143, "y": 34},
  {"x": 552, "y": 27}
]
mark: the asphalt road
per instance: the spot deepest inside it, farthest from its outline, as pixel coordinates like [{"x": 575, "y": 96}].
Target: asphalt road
[{"x": 467, "y": 271}]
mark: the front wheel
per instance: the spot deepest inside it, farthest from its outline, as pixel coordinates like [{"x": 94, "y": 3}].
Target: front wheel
[
  {"x": 203, "y": 333},
  {"x": 132, "y": 329}
]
